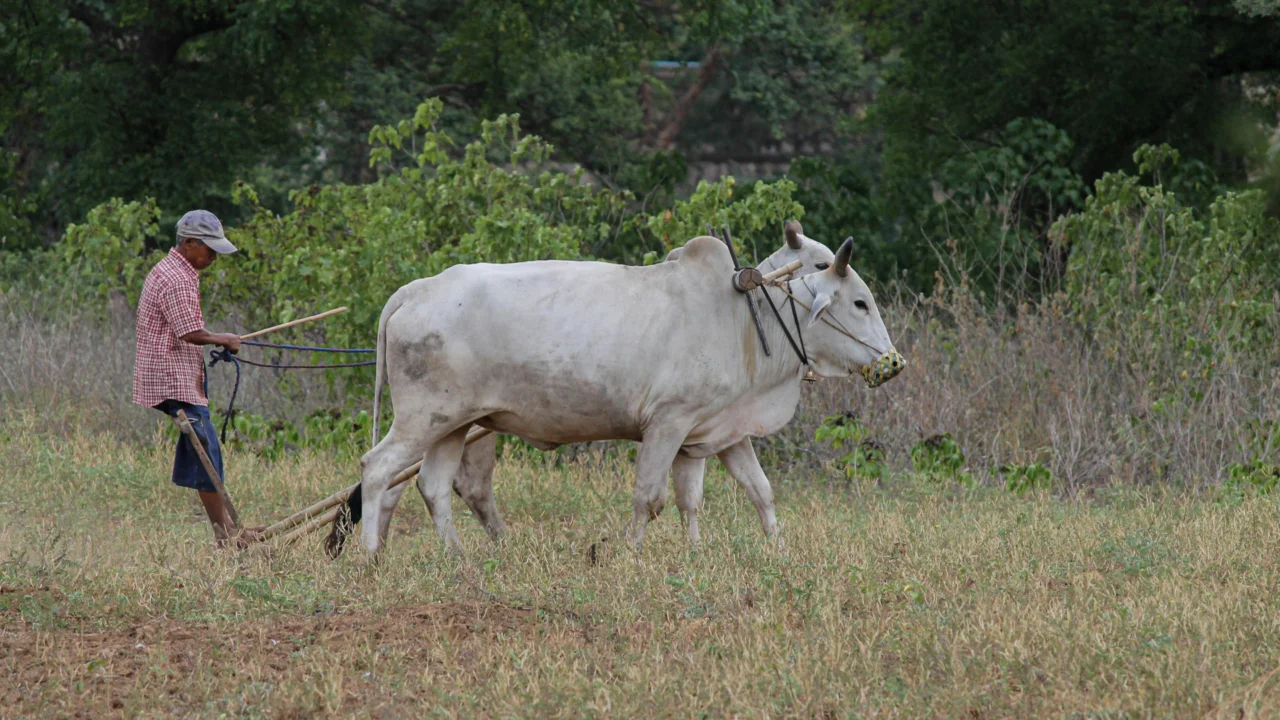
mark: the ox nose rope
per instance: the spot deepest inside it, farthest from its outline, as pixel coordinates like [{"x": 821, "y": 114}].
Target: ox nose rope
[
  {"x": 225, "y": 355},
  {"x": 889, "y": 364},
  {"x": 308, "y": 348},
  {"x": 833, "y": 324}
]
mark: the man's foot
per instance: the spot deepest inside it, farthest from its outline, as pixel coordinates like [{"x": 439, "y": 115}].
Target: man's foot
[{"x": 249, "y": 536}]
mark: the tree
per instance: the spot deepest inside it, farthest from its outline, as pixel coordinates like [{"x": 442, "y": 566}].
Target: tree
[
  {"x": 1110, "y": 73},
  {"x": 163, "y": 98}
]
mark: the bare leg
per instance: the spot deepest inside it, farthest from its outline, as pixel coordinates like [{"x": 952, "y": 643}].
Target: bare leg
[
  {"x": 740, "y": 460},
  {"x": 223, "y": 528},
  {"x": 657, "y": 453},
  {"x": 688, "y": 473}
]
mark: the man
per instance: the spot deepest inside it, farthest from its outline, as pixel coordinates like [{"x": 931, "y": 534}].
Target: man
[{"x": 169, "y": 367}]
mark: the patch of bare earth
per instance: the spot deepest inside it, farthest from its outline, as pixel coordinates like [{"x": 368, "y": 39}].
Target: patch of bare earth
[{"x": 288, "y": 665}]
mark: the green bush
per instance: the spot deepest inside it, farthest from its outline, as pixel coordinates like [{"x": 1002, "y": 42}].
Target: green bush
[
  {"x": 865, "y": 456},
  {"x": 1169, "y": 292},
  {"x": 107, "y": 252},
  {"x": 1020, "y": 478},
  {"x": 940, "y": 458},
  {"x": 754, "y": 220},
  {"x": 1261, "y": 476}
]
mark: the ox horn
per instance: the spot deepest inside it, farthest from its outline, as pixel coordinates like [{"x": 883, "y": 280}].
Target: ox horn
[
  {"x": 793, "y": 231},
  {"x": 841, "y": 265}
]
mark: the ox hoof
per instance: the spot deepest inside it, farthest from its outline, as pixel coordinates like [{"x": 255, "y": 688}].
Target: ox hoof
[{"x": 774, "y": 535}]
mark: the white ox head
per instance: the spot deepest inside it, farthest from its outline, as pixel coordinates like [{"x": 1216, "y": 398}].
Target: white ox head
[
  {"x": 850, "y": 337},
  {"x": 845, "y": 334}
]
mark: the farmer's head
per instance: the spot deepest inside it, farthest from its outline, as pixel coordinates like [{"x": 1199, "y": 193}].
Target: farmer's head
[{"x": 200, "y": 238}]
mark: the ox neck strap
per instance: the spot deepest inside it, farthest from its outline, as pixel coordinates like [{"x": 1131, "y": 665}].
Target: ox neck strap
[{"x": 799, "y": 349}]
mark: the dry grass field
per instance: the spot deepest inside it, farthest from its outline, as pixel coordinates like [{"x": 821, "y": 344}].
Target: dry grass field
[{"x": 910, "y": 599}]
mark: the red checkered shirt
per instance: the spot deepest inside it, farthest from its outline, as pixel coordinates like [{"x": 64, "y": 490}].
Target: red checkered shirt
[{"x": 165, "y": 367}]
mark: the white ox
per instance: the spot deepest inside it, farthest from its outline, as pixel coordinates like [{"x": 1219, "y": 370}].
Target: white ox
[
  {"x": 562, "y": 352},
  {"x": 474, "y": 480}
]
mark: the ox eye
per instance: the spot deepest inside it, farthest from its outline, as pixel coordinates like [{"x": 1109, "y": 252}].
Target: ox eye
[
  {"x": 823, "y": 266},
  {"x": 860, "y": 305}
]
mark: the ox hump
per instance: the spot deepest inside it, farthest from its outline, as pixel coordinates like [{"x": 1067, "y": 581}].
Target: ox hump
[{"x": 706, "y": 251}]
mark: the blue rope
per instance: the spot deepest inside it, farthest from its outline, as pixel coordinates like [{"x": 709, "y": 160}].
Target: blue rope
[
  {"x": 304, "y": 347},
  {"x": 225, "y": 355}
]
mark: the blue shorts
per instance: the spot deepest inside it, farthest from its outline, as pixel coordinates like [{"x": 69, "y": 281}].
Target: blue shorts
[{"x": 188, "y": 471}]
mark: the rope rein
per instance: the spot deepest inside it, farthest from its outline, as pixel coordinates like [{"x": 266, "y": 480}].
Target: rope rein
[
  {"x": 826, "y": 317},
  {"x": 225, "y": 355}
]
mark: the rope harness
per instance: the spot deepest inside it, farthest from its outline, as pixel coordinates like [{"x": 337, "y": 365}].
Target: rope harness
[
  {"x": 826, "y": 318},
  {"x": 801, "y": 351},
  {"x": 225, "y": 355}
]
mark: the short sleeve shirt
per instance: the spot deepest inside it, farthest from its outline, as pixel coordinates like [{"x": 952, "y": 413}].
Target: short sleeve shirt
[{"x": 165, "y": 367}]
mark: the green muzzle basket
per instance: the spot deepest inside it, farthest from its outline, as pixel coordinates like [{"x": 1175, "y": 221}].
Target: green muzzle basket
[{"x": 884, "y": 369}]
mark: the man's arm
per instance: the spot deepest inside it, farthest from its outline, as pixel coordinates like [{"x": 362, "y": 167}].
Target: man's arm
[
  {"x": 204, "y": 337},
  {"x": 180, "y": 304}
]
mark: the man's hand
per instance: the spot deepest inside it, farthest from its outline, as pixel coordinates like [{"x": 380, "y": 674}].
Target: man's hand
[{"x": 204, "y": 337}]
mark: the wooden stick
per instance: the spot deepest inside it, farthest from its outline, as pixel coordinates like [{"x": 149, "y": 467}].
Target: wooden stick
[
  {"x": 787, "y": 269},
  {"x": 341, "y": 496},
  {"x": 291, "y": 323},
  {"x": 304, "y": 515},
  {"x": 184, "y": 424},
  {"x": 330, "y": 502},
  {"x": 311, "y": 526}
]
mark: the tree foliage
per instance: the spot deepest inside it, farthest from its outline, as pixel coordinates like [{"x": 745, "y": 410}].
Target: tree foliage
[
  {"x": 177, "y": 99},
  {"x": 1109, "y": 74},
  {"x": 171, "y": 99},
  {"x": 935, "y": 132},
  {"x": 1168, "y": 291}
]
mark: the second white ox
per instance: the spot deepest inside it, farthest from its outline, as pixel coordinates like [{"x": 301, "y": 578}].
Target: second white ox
[{"x": 562, "y": 352}]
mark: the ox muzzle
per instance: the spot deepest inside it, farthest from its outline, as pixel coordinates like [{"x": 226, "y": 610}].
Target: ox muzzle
[{"x": 884, "y": 369}]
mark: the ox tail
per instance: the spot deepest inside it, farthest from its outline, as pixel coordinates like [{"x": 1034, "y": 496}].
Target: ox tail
[
  {"x": 380, "y": 369},
  {"x": 350, "y": 512}
]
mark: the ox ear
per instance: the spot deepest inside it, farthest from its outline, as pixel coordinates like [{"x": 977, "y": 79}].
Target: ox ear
[
  {"x": 793, "y": 231},
  {"x": 820, "y": 304},
  {"x": 841, "y": 265}
]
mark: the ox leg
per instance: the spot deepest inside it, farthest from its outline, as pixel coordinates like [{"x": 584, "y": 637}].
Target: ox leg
[
  {"x": 741, "y": 462},
  {"x": 378, "y": 467},
  {"x": 474, "y": 484},
  {"x": 657, "y": 455},
  {"x": 688, "y": 473},
  {"x": 435, "y": 481}
]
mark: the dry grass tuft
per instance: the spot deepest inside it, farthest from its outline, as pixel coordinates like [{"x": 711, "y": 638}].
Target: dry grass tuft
[{"x": 1023, "y": 384}]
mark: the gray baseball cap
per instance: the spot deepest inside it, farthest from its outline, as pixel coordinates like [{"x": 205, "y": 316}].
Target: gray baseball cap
[{"x": 205, "y": 227}]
